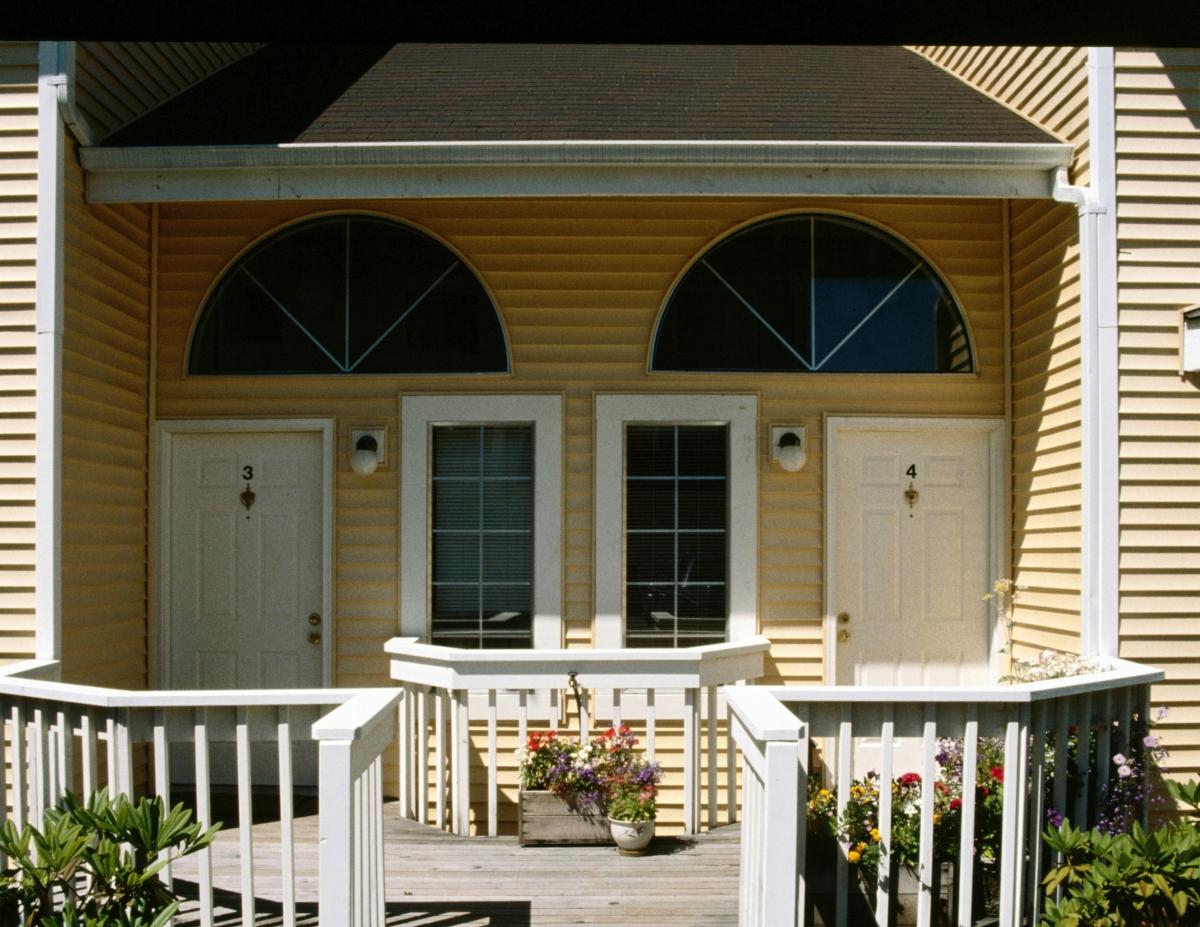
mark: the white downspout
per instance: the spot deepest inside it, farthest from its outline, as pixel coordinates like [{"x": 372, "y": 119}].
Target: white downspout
[{"x": 1100, "y": 477}]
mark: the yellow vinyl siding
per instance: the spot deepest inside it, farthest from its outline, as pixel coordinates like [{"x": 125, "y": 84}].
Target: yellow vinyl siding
[
  {"x": 1049, "y": 86},
  {"x": 18, "y": 344},
  {"x": 1158, "y": 227},
  {"x": 104, "y": 439},
  {"x": 120, "y": 81},
  {"x": 1045, "y": 84},
  {"x": 579, "y": 285}
]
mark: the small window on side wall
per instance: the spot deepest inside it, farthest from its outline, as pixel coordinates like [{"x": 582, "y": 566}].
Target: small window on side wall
[
  {"x": 812, "y": 293},
  {"x": 344, "y": 295}
]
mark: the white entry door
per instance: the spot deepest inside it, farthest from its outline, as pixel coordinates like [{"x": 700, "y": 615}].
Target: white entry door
[
  {"x": 244, "y": 608},
  {"x": 913, "y": 516}
]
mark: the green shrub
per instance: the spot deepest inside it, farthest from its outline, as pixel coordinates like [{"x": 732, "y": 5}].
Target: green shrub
[
  {"x": 1147, "y": 879},
  {"x": 96, "y": 865}
]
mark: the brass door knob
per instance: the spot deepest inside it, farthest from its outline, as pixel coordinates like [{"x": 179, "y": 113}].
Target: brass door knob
[
  {"x": 843, "y": 636},
  {"x": 314, "y": 637},
  {"x": 314, "y": 619},
  {"x": 843, "y": 617}
]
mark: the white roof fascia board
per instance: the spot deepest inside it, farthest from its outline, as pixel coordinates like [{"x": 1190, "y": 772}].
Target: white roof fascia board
[{"x": 565, "y": 168}]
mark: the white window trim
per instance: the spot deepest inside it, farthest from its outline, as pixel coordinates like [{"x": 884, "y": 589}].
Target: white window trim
[
  {"x": 613, "y": 412},
  {"x": 418, "y": 416}
]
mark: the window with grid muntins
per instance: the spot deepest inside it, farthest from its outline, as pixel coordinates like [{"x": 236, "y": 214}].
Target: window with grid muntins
[
  {"x": 676, "y": 534},
  {"x": 482, "y": 526}
]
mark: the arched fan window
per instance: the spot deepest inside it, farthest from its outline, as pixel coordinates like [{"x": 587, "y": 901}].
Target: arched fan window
[
  {"x": 348, "y": 294},
  {"x": 812, "y": 293}
]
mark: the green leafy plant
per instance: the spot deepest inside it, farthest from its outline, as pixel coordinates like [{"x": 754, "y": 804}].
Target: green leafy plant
[
  {"x": 96, "y": 865},
  {"x": 1143, "y": 878}
]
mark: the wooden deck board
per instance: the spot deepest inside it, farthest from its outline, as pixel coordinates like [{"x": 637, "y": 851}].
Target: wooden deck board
[{"x": 435, "y": 878}]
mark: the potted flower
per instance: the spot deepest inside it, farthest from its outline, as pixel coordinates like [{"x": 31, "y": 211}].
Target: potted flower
[
  {"x": 567, "y": 788},
  {"x": 562, "y": 792},
  {"x": 632, "y": 791}
]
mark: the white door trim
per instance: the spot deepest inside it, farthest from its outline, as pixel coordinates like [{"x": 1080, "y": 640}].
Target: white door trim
[
  {"x": 996, "y": 431},
  {"x": 165, "y": 430}
]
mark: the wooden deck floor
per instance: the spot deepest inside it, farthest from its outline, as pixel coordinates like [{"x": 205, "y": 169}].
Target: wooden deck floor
[{"x": 439, "y": 879}]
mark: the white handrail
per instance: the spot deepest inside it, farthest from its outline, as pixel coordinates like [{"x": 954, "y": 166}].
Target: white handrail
[
  {"x": 56, "y": 729},
  {"x": 658, "y": 686},
  {"x": 860, "y": 726},
  {"x": 352, "y": 737}
]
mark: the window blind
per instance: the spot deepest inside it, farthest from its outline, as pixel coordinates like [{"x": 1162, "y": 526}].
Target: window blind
[{"x": 482, "y": 527}]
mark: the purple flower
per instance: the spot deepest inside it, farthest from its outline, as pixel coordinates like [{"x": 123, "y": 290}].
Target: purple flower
[
  {"x": 1124, "y": 771},
  {"x": 1150, "y": 741},
  {"x": 1054, "y": 817},
  {"x": 1119, "y": 759}
]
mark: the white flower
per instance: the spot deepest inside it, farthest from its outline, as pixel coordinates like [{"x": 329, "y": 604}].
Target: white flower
[
  {"x": 1124, "y": 771},
  {"x": 1119, "y": 759}
]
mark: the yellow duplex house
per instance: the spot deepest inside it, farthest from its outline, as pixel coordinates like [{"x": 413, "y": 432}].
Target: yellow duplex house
[{"x": 626, "y": 349}]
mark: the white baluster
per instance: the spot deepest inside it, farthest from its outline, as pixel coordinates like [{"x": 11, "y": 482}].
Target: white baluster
[
  {"x": 883, "y": 888},
  {"x": 1010, "y": 849},
  {"x": 966, "y": 853},
  {"x": 245, "y": 784},
  {"x": 203, "y": 814},
  {"x": 162, "y": 774},
  {"x": 287, "y": 839},
  {"x": 650, "y": 709},
  {"x": 711, "y": 729},
  {"x": 928, "y": 775},
  {"x": 493, "y": 783},
  {"x": 439, "y": 759},
  {"x": 845, "y": 761}
]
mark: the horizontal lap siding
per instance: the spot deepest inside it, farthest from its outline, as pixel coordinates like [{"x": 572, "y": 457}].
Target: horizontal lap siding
[
  {"x": 1158, "y": 227},
  {"x": 1046, "y": 427},
  {"x": 105, "y": 439},
  {"x": 18, "y": 344},
  {"x": 579, "y": 284},
  {"x": 120, "y": 81},
  {"x": 1048, "y": 85}
]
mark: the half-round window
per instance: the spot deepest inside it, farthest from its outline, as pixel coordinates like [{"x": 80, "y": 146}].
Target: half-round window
[
  {"x": 812, "y": 293},
  {"x": 348, "y": 294}
]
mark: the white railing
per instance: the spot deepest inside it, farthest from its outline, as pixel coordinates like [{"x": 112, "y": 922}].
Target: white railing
[
  {"x": 353, "y": 738},
  {"x": 660, "y": 688},
  {"x": 62, "y": 736},
  {"x": 851, "y": 728}
]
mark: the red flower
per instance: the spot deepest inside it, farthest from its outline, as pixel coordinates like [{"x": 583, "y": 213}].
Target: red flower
[
  {"x": 609, "y": 734},
  {"x": 998, "y": 773},
  {"x": 910, "y": 778},
  {"x": 955, "y": 804},
  {"x": 1073, "y": 729},
  {"x": 982, "y": 792}
]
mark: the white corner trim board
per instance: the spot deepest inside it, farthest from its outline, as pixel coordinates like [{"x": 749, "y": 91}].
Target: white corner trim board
[
  {"x": 49, "y": 320},
  {"x": 418, "y": 414},
  {"x": 612, "y": 413}
]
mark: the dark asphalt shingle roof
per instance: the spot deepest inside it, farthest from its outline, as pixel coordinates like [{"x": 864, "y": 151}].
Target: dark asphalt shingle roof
[{"x": 510, "y": 92}]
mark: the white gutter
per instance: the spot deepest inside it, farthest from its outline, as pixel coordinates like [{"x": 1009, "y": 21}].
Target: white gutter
[
  {"x": 62, "y": 79},
  {"x": 49, "y": 324},
  {"x": 570, "y": 168},
  {"x": 1100, "y": 476}
]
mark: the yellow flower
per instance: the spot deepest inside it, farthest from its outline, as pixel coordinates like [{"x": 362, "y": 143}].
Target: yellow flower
[
  {"x": 824, "y": 793},
  {"x": 937, "y": 818},
  {"x": 860, "y": 847},
  {"x": 854, "y": 856},
  {"x": 875, "y": 837}
]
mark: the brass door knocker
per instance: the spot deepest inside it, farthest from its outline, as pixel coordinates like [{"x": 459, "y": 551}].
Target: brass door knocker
[
  {"x": 911, "y": 495},
  {"x": 248, "y": 497}
]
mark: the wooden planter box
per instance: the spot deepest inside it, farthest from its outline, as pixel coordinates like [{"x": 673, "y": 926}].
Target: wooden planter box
[{"x": 544, "y": 818}]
